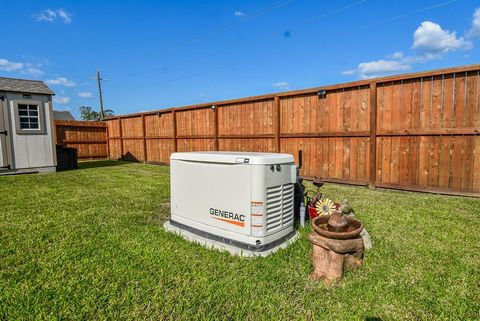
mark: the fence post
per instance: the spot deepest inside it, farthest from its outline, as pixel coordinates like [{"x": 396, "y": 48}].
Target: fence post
[
  {"x": 144, "y": 139},
  {"x": 174, "y": 130},
  {"x": 121, "y": 136},
  {"x": 57, "y": 134},
  {"x": 276, "y": 113},
  {"x": 215, "y": 128},
  {"x": 373, "y": 135},
  {"x": 107, "y": 137}
]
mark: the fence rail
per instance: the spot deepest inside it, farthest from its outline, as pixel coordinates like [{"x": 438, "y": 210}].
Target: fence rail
[
  {"x": 88, "y": 137},
  {"x": 415, "y": 131}
]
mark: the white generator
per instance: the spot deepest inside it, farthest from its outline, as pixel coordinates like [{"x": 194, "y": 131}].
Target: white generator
[{"x": 243, "y": 202}]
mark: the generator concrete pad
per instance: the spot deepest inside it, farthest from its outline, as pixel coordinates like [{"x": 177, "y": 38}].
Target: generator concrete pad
[{"x": 220, "y": 246}]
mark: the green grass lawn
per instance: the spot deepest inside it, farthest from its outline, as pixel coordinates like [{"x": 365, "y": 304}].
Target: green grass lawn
[{"x": 89, "y": 244}]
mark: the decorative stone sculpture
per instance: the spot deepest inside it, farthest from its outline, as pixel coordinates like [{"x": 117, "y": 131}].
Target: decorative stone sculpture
[{"x": 337, "y": 245}]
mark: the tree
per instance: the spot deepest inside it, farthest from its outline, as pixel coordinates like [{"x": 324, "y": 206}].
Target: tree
[
  {"x": 87, "y": 113},
  {"x": 108, "y": 113}
]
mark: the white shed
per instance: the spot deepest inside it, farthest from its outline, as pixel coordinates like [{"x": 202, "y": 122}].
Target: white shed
[{"x": 27, "y": 135}]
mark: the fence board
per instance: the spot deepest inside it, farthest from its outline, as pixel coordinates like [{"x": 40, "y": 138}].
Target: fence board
[
  {"x": 476, "y": 166},
  {"x": 133, "y": 149},
  {"x": 115, "y": 149},
  {"x": 159, "y": 150},
  {"x": 195, "y": 122},
  {"x": 248, "y": 119},
  {"x": 132, "y": 126},
  {"x": 89, "y": 138},
  {"x": 198, "y": 144},
  {"x": 259, "y": 145},
  {"x": 158, "y": 125}
]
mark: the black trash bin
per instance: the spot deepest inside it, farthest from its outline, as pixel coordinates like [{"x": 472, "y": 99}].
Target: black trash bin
[{"x": 66, "y": 158}]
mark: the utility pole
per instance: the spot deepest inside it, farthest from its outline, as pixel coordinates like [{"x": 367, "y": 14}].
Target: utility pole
[{"x": 100, "y": 114}]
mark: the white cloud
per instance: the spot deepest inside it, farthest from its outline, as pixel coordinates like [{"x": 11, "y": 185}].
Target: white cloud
[
  {"x": 64, "y": 15},
  {"x": 61, "y": 100},
  {"x": 475, "y": 30},
  {"x": 349, "y": 72},
  {"x": 281, "y": 85},
  {"x": 46, "y": 15},
  {"x": 239, "y": 13},
  {"x": 61, "y": 81},
  {"x": 431, "y": 40},
  {"x": 7, "y": 65},
  {"x": 85, "y": 94},
  {"x": 379, "y": 67},
  {"x": 20, "y": 67},
  {"x": 33, "y": 71},
  {"x": 54, "y": 15},
  {"x": 396, "y": 55}
]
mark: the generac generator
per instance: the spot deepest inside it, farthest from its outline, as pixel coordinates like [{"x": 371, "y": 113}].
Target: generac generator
[{"x": 242, "y": 202}]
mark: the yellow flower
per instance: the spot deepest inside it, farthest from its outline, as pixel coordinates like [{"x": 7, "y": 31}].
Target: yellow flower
[{"x": 325, "y": 207}]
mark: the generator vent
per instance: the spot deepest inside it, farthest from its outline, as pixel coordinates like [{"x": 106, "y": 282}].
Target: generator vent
[{"x": 279, "y": 207}]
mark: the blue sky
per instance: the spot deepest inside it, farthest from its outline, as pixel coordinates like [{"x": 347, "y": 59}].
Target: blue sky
[{"x": 159, "y": 54}]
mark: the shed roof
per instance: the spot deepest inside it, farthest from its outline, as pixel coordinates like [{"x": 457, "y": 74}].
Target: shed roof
[
  {"x": 62, "y": 115},
  {"x": 25, "y": 86}
]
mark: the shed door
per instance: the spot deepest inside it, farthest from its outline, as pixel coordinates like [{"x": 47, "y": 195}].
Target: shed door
[{"x": 3, "y": 133}]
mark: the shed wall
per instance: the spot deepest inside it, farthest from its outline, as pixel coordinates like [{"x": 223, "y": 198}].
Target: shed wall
[{"x": 32, "y": 150}]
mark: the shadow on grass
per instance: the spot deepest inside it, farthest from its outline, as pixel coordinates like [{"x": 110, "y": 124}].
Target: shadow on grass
[{"x": 99, "y": 163}]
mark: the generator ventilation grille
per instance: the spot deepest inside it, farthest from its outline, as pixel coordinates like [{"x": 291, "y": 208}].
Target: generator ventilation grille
[{"x": 279, "y": 207}]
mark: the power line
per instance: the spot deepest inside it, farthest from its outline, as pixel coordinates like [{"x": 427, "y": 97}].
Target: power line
[
  {"x": 271, "y": 7},
  {"x": 415, "y": 12},
  {"x": 335, "y": 11},
  {"x": 310, "y": 20},
  {"x": 151, "y": 70},
  {"x": 248, "y": 17},
  {"x": 403, "y": 15},
  {"x": 69, "y": 91},
  {"x": 258, "y": 12},
  {"x": 205, "y": 72},
  {"x": 330, "y": 13},
  {"x": 255, "y": 14}
]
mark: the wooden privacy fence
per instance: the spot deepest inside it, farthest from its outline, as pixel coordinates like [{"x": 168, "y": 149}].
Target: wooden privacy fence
[
  {"x": 88, "y": 137},
  {"x": 414, "y": 132}
]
